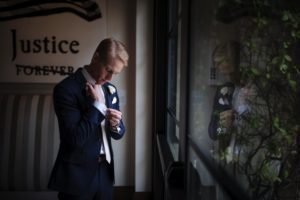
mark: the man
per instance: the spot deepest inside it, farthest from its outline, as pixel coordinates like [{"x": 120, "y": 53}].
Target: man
[
  {"x": 226, "y": 61},
  {"x": 232, "y": 101},
  {"x": 87, "y": 108}
]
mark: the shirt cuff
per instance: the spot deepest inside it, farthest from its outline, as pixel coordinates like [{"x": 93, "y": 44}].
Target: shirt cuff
[
  {"x": 100, "y": 106},
  {"x": 115, "y": 129}
]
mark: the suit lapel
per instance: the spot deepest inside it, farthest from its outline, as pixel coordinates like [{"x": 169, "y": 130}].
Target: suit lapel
[{"x": 78, "y": 76}]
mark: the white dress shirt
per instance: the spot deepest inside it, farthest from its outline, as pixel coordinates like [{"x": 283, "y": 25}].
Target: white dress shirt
[{"x": 101, "y": 106}]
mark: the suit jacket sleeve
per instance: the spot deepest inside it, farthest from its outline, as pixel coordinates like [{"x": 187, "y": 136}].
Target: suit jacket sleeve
[
  {"x": 78, "y": 118},
  {"x": 113, "y": 102}
]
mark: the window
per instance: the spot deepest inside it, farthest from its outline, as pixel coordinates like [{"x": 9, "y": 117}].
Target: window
[
  {"x": 174, "y": 79},
  {"x": 170, "y": 96},
  {"x": 205, "y": 180},
  {"x": 234, "y": 112}
]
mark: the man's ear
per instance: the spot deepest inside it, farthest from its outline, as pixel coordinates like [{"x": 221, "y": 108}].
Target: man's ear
[{"x": 95, "y": 57}]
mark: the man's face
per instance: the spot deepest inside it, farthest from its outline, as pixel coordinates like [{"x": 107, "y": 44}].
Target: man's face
[
  {"x": 105, "y": 73},
  {"x": 223, "y": 65}
]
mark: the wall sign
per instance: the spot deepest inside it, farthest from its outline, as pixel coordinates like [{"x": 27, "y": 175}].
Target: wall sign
[{"x": 43, "y": 41}]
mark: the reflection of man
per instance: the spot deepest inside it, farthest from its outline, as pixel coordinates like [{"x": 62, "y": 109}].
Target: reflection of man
[
  {"x": 231, "y": 101},
  {"x": 225, "y": 59},
  {"x": 222, "y": 116},
  {"x": 87, "y": 108}
]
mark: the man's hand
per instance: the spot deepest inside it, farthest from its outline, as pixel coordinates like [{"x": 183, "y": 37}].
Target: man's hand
[
  {"x": 94, "y": 92},
  {"x": 114, "y": 116},
  {"x": 226, "y": 118}
]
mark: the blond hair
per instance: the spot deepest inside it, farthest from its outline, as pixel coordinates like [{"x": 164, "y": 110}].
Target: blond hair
[{"x": 110, "y": 50}]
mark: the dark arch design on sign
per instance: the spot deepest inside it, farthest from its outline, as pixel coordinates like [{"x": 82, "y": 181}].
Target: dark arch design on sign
[{"x": 15, "y": 9}]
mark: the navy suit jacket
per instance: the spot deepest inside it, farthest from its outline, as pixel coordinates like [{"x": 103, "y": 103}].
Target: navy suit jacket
[
  {"x": 222, "y": 102},
  {"x": 80, "y": 132}
]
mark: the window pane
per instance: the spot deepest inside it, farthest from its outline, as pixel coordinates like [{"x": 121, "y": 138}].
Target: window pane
[
  {"x": 173, "y": 136},
  {"x": 236, "y": 115},
  {"x": 178, "y": 66},
  {"x": 206, "y": 36},
  {"x": 201, "y": 89},
  {"x": 174, "y": 79},
  {"x": 201, "y": 183},
  {"x": 172, "y": 75},
  {"x": 172, "y": 14}
]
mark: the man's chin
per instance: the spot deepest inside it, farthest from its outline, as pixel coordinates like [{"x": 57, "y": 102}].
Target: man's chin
[{"x": 101, "y": 82}]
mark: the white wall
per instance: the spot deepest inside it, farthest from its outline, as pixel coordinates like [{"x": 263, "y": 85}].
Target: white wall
[
  {"x": 120, "y": 25},
  {"x": 144, "y": 95},
  {"x": 131, "y": 22}
]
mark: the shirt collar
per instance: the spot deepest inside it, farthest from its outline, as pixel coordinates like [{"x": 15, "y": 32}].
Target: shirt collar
[{"x": 87, "y": 76}]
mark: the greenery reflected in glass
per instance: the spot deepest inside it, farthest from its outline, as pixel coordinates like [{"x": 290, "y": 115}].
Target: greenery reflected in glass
[{"x": 265, "y": 153}]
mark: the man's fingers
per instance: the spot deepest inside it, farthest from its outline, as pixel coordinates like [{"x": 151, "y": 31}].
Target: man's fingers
[
  {"x": 114, "y": 112},
  {"x": 226, "y": 118},
  {"x": 226, "y": 114},
  {"x": 114, "y": 115}
]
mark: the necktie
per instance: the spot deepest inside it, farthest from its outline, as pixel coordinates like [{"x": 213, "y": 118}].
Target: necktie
[
  {"x": 105, "y": 143},
  {"x": 104, "y": 137}
]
